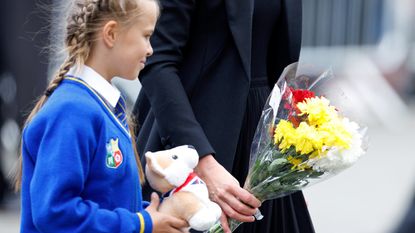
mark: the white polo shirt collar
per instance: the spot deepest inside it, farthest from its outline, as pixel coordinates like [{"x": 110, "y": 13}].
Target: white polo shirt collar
[{"x": 98, "y": 83}]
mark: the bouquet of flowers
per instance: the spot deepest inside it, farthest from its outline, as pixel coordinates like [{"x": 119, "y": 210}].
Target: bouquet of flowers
[{"x": 302, "y": 138}]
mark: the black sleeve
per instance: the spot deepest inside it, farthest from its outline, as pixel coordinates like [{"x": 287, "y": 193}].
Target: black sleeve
[{"x": 161, "y": 83}]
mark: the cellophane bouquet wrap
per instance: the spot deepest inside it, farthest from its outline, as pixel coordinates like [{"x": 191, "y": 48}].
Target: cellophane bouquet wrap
[{"x": 303, "y": 137}]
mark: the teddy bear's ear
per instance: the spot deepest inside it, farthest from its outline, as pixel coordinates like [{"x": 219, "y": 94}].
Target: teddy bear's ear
[{"x": 153, "y": 164}]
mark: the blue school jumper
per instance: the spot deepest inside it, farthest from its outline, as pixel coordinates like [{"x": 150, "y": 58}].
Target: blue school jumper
[{"x": 79, "y": 168}]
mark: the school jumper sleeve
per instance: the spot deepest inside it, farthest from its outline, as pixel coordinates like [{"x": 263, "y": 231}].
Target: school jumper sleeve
[
  {"x": 161, "y": 83},
  {"x": 63, "y": 154}
]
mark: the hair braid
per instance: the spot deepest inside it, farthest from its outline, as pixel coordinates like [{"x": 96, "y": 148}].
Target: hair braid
[{"x": 77, "y": 42}]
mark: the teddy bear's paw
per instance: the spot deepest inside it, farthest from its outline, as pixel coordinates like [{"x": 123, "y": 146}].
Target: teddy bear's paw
[
  {"x": 203, "y": 219},
  {"x": 215, "y": 210}
]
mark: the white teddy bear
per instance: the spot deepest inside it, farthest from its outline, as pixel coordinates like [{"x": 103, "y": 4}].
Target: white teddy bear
[{"x": 185, "y": 194}]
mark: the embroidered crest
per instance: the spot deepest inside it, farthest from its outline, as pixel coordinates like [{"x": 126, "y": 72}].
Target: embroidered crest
[{"x": 114, "y": 156}]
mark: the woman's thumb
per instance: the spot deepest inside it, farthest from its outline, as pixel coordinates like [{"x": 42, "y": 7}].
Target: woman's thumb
[{"x": 155, "y": 201}]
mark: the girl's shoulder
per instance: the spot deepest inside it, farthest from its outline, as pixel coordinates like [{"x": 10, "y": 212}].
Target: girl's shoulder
[
  {"x": 70, "y": 110},
  {"x": 70, "y": 102},
  {"x": 72, "y": 97}
]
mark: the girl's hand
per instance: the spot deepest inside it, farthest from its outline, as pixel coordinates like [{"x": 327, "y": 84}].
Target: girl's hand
[
  {"x": 224, "y": 189},
  {"x": 163, "y": 223}
]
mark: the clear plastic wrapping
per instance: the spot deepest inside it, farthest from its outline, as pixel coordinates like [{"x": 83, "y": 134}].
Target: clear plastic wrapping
[{"x": 304, "y": 136}]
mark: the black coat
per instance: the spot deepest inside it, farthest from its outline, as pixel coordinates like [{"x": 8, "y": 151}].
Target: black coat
[{"x": 196, "y": 83}]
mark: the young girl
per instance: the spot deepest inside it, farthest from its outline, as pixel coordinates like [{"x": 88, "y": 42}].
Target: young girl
[{"x": 79, "y": 172}]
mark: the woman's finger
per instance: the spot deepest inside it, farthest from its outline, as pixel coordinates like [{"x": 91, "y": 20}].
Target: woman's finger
[
  {"x": 230, "y": 212},
  {"x": 237, "y": 205},
  {"x": 246, "y": 197},
  {"x": 224, "y": 223}
]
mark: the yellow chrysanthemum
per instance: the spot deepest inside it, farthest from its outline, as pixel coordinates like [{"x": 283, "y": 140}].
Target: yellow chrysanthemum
[
  {"x": 318, "y": 110},
  {"x": 284, "y": 133},
  {"x": 308, "y": 139},
  {"x": 322, "y": 129},
  {"x": 336, "y": 134},
  {"x": 304, "y": 138}
]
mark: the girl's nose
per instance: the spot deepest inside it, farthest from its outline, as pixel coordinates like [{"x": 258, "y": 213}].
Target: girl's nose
[{"x": 149, "y": 50}]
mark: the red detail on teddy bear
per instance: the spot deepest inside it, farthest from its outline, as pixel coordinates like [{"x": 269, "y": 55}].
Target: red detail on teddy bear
[{"x": 188, "y": 179}]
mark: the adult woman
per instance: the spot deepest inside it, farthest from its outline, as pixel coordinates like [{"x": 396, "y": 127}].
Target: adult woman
[{"x": 213, "y": 65}]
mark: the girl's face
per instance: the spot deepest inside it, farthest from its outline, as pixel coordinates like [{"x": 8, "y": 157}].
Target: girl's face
[{"x": 133, "y": 45}]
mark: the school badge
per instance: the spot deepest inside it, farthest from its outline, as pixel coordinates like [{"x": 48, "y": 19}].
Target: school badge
[{"x": 114, "y": 155}]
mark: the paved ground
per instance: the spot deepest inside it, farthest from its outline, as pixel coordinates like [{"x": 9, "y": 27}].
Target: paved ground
[
  {"x": 9, "y": 216},
  {"x": 9, "y": 222}
]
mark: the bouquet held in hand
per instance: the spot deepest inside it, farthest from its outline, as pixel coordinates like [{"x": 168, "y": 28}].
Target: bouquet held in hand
[{"x": 301, "y": 139}]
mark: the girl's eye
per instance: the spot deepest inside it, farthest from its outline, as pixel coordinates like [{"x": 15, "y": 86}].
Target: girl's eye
[{"x": 174, "y": 157}]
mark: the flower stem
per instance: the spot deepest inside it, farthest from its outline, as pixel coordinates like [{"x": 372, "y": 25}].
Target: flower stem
[{"x": 217, "y": 228}]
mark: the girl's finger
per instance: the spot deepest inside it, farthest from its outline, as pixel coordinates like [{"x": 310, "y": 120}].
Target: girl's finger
[{"x": 178, "y": 223}]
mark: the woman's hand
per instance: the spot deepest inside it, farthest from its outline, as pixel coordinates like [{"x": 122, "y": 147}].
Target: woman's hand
[
  {"x": 163, "y": 223},
  {"x": 224, "y": 189}
]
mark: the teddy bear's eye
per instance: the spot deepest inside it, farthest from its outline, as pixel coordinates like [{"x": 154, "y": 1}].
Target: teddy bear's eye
[{"x": 174, "y": 157}]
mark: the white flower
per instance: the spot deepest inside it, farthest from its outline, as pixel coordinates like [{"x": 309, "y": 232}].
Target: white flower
[{"x": 337, "y": 159}]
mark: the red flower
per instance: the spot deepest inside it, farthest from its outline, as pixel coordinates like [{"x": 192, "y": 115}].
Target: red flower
[
  {"x": 300, "y": 95},
  {"x": 291, "y": 98}
]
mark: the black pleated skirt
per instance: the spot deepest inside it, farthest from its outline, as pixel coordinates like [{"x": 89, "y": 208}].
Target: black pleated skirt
[{"x": 288, "y": 214}]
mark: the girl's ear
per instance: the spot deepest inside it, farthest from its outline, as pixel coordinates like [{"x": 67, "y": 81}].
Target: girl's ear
[{"x": 109, "y": 33}]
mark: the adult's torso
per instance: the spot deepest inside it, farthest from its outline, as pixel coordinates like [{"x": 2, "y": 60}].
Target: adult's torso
[{"x": 216, "y": 71}]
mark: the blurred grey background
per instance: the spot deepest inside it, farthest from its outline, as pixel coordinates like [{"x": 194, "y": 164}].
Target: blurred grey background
[{"x": 370, "y": 46}]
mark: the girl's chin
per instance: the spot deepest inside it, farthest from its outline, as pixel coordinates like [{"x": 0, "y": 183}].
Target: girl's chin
[
  {"x": 130, "y": 77},
  {"x": 133, "y": 76}
]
